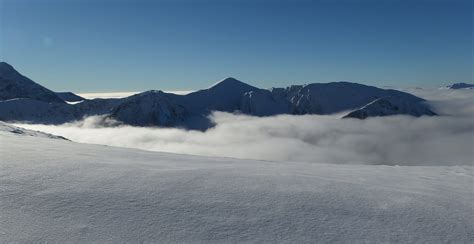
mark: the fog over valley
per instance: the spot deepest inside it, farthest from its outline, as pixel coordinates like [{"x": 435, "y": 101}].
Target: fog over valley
[{"x": 393, "y": 140}]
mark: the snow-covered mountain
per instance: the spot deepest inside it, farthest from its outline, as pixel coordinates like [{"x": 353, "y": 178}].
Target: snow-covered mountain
[
  {"x": 70, "y": 97},
  {"x": 328, "y": 98},
  {"x": 35, "y": 111},
  {"x": 224, "y": 96},
  {"x": 390, "y": 106},
  {"x": 23, "y": 100},
  {"x": 151, "y": 108},
  {"x": 461, "y": 86},
  {"x": 231, "y": 95},
  {"x": 58, "y": 191},
  {"x": 157, "y": 108},
  {"x": 15, "y": 85}
]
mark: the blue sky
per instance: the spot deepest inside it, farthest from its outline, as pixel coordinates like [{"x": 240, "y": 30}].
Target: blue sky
[{"x": 106, "y": 45}]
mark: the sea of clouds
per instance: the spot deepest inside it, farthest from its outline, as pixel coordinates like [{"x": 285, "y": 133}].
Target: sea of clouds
[{"x": 393, "y": 140}]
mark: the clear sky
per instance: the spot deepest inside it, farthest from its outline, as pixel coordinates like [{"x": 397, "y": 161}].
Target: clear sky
[{"x": 107, "y": 45}]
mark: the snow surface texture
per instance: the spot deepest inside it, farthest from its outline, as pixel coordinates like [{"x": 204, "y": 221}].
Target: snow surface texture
[
  {"x": 23, "y": 100},
  {"x": 392, "y": 140},
  {"x": 60, "y": 191},
  {"x": 7, "y": 128}
]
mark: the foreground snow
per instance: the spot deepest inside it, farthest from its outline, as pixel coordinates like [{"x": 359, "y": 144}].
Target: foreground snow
[{"x": 57, "y": 190}]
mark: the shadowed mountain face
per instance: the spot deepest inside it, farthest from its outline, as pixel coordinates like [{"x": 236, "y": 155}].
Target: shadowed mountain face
[
  {"x": 390, "y": 106},
  {"x": 69, "y": 97},
  {"x": 461, "y": 86},
  {"x": 36, "y": 104},
  {"x": 319, "y": 98},
  {"x": 149, "y": 108},
  {"x": 157, "y": 108},
  {"x": 225, "y": 95},
  {"x": 15, "y": 85}
]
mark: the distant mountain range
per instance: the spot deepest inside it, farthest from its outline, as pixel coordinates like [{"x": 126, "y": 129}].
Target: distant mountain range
[
  {"x": 23, "y": 100},
  {"x": 461, "y": 86}
]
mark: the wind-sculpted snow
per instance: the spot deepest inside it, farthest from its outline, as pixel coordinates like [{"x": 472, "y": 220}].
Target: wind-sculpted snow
[
  {"x": 7, "y": 129},
  {"x": 55, "y": 191}
]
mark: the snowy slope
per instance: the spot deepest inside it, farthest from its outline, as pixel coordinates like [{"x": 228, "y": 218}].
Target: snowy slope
[
  {"x": 15, "y": 85},
  {"x": 152, "y": 108},
  {"x": 69, "y": 97},
  {"x": 325, "y": 98},
  {"x": 157, "y": 108},
  {"x": 35, "y": 111},
  {"x": 60, "y": 191},
  {"x": 390, "y": 106},
  {"x": 224, "y": 96},
  {"x": 461, "y": 86},
  {"x": 10, "y": 129}
]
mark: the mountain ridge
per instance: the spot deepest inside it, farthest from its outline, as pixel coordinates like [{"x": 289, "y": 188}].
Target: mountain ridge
[
  {"x": 190, "y": 111},
  {"x": 15, "y": 85},
  {"x": 460, "y": 85}
]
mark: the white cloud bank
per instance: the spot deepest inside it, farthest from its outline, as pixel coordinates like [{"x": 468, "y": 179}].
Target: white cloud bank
[{"x": 395, "y": 140}]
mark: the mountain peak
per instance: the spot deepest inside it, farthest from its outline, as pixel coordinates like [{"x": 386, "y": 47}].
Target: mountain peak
[
  {"x": 6, "y": 68},
  {"x": 15, "y": 85},
  {"x": 230, "y": 83},
  {"x": 2, "y": 63}
]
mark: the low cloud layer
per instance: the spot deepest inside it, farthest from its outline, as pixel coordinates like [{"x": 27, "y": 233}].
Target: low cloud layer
[{"x": 395, "y": 140}]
